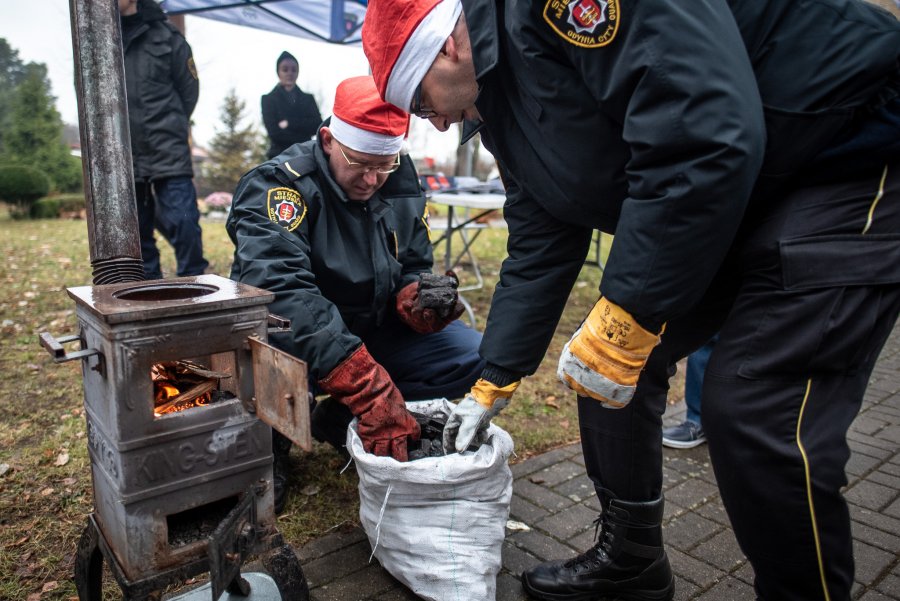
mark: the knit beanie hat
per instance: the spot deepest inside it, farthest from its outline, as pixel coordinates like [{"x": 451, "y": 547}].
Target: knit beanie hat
[{"x": 283, "y": 57}]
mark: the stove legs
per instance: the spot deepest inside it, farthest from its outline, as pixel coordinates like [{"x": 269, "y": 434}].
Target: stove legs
[
  {"x": 284, "y": 567},
  {"x": 281, "y": 563},
  {"x": 89, "y": 566},
  {"x": 89, "y": 557}
]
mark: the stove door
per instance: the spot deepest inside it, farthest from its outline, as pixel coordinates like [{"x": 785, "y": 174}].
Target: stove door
[{"x": 281, "y": 392}]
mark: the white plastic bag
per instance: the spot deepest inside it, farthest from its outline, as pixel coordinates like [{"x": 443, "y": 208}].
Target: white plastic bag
[{"x": 437, "y": 524}]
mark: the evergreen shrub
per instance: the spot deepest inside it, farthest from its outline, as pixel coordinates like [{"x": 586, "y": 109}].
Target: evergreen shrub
[{"x": 21, "y": 186}]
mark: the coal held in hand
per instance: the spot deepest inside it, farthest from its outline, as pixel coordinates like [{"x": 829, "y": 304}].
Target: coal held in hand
[
  {"x": 431, "y": 443},
  {"x": 438, "y": 292}
]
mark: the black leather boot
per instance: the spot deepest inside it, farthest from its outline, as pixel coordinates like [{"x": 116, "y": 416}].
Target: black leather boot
[
  {"x": 281, "y": 450},
  {"x": 628, "y": 561},
  {"x": 328, "y": 423}
]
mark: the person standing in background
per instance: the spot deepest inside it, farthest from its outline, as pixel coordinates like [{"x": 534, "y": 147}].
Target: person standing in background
[
  {"x": 689, "y": 433},
  {"x": 289, "y": 114},
  {"x": 162, "y": 88}
]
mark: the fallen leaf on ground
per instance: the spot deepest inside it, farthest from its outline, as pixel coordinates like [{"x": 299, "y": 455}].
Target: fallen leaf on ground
[
  {"x": 24, "y": 571},
  {"x": 69, "y": 481},
  {"x": 18, "y": 542},
  {"x": 310, "y": 490},
  {"x": 550, "y": 401},
  {"x": 4, "y": 467},
  {"x": 47, "y": 492},
  {"x": 61, "y": 459},
  {"x": 34, "y": 597},
  {"x": 518, "y": 526},
  {"x": 50, "y": 586}
]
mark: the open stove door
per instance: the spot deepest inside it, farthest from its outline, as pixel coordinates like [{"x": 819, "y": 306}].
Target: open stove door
[{"x": 281, "y": 389}]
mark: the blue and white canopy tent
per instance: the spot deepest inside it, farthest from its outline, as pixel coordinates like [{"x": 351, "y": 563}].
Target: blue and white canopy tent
[{"x": 333, "y": 21}]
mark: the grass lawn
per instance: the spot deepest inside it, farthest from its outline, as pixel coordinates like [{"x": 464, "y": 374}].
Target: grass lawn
[{"x": 45, "y": 480}]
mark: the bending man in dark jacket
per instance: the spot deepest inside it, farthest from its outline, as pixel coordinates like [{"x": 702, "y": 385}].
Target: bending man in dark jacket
[
  {"x": 162, "y": 88},
  {"x": 746, "y": 155},
  {"x": 337, "y": 228}
]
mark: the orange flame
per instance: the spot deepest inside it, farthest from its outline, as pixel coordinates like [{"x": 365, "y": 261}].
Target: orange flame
[{"x": 167, "y": 387}]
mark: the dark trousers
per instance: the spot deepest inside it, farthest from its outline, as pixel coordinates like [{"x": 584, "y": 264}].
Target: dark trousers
[
  {"x": 804, "y": 304},
  {"x": 428, "y": 366},
  {"x": 170, "y": 206}
]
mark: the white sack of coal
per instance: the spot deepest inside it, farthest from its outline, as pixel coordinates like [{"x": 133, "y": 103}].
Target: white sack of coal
[{"x": 437, "y": 524}]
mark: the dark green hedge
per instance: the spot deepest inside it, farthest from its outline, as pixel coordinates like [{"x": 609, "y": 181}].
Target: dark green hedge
[
  {"x": 21, "y": 186},
  {"x": 51, "y": 207}
]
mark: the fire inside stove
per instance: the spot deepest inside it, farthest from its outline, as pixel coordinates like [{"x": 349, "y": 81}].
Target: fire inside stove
[{"x": 182, "y": 385}]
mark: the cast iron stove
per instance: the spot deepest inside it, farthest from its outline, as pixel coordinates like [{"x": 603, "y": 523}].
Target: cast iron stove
[{"x": 185, "y": 492}]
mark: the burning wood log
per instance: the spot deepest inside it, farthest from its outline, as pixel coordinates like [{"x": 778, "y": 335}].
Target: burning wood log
[{"x": 180, "y": 385}]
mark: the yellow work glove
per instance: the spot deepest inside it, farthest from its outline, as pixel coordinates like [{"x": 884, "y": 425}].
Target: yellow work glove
[
  {"x": 604, "y": 358},
  {"x": 473, "y": 414}
]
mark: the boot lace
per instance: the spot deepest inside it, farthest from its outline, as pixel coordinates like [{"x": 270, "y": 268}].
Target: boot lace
[{"x": 599, "y": 553}]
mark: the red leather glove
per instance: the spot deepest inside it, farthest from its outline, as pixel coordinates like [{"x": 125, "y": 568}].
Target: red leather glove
[
  {"x": 365, "y": 387},
  {"x": 427, "y": 306}
]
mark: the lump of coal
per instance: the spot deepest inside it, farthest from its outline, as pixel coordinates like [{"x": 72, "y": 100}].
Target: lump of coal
[
  {"x": 438, "y": 292},
  {"x": 431, "y": 443},
  {"x": 428, "y": 281}
]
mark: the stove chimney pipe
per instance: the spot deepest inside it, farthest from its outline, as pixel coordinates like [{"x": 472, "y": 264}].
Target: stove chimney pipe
[{"x": 105, "y": 142}]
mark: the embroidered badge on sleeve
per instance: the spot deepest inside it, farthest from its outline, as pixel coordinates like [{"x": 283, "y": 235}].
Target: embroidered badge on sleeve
[
  {"x": 192, "y": 67},
  {"x": 585, "y": 23},
  {"x": 285, "y": 207}
]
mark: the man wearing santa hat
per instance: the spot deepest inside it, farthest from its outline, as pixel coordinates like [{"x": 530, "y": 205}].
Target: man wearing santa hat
[
  {"x": 337, "y": 228},
  {"x": 746, "y": 155}
]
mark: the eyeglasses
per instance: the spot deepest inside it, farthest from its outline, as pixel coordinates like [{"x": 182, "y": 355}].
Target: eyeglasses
[
  {"x": 383, "y": 169},
  {"x": 416, "y": 107}
]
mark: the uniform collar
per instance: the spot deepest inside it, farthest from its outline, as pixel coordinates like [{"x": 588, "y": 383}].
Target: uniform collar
[{"x": 481, "y": 20}]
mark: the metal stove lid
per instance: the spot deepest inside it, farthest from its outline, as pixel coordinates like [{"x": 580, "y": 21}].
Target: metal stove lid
[{"x": 154, "y": 299}]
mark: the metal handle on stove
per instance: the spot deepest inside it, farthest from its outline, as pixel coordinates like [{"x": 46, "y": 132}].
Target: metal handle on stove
[
  {"x": 56, "y": 350},
  {"x": 278, "y": 324}
]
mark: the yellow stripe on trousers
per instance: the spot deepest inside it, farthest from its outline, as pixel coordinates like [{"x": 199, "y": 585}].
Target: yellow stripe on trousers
[{"x": 812, "y": 509}]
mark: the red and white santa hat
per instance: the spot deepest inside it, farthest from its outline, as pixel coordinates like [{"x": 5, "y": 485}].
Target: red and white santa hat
[
  {"x": 401, "y": 39},
  {"x": 361, "y": 120}
]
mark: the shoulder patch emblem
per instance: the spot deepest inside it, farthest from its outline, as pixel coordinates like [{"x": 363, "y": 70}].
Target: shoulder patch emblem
[
  {"x": 584, "y": 23},
  {"x": 192, "y": 67},
  {"x": 285, "y": 207}
]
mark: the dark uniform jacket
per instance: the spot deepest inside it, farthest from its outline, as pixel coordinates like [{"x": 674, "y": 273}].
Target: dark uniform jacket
[
  {"x": 334, "y": 264},
  {"x": 298, "y": 108},
  {"x": 162, "y": 88},
  {"x": 655, "y": 121}
]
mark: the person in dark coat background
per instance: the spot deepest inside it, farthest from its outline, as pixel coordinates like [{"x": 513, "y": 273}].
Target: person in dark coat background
[
  {"x": 337, "y": 229},
  {"x": 162, "y": 88},
  {"x": 289, "y": 114},
  {"x": 746, "y": 155}
]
